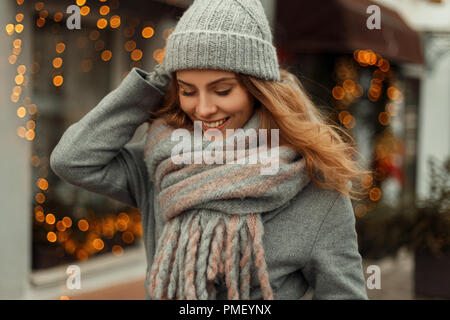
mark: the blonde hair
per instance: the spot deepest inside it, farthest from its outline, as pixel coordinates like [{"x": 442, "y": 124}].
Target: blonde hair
[{"x": 286, "y": 106}]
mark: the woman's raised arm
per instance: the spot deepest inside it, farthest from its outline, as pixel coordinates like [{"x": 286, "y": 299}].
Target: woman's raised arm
[{"x": 93, "y": 153}]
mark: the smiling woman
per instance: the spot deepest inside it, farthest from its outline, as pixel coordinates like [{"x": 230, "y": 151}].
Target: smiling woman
[
  {"x": 215, "y": 97},
  {"x": 203, "y": 223}
]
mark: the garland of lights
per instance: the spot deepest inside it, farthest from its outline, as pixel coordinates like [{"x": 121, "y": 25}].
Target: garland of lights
[
  {"x": 347, "y": 91},
  {"x": 96, "y": 229}
]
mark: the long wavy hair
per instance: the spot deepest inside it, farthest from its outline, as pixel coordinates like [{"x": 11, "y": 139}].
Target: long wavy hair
[{"x": 328, "y": 149}]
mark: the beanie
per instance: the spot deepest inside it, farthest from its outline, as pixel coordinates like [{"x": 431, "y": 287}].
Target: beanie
[{"x": 230, "y": 35}]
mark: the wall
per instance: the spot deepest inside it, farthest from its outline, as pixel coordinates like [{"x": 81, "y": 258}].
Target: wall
[{"x": 15, "y": 170}]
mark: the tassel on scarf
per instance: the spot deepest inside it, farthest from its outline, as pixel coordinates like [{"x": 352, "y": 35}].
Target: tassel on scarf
[{"x": 189, "y": 257}]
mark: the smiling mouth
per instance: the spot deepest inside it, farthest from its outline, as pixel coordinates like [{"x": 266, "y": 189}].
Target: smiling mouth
[{"x": 215, "y": 124}]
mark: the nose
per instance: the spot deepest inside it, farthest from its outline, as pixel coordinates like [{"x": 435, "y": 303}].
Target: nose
[{"x": 205, "y": 107}]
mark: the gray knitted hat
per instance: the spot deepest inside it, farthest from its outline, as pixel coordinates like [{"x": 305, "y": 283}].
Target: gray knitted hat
[{"x": 231, "y": 35}]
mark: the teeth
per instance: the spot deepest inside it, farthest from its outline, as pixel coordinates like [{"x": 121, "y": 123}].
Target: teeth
[{"x": 214, "y": 124}]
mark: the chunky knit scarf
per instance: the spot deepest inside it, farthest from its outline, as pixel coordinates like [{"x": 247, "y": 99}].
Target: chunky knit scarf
[{"x": 213, "y": 227}]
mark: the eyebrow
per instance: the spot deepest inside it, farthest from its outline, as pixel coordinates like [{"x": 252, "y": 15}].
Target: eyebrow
[{"x": 209, "y": 84}]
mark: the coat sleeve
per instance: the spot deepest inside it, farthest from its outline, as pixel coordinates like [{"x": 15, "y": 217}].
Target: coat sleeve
[
  {"x": 94, "y": 152},
  {"x": 334, "y": 269}
]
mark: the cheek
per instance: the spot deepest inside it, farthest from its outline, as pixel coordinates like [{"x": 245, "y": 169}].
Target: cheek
[
  {"x": 238, "y": 103},
  {"x": 187, "y": 105}
]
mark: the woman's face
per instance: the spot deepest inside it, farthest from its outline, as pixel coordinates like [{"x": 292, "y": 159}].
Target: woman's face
[{"x": 214, "y": 97}]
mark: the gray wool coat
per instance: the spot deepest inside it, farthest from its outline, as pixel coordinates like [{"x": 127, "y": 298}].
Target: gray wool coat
[{"x": 311, "y": 243}]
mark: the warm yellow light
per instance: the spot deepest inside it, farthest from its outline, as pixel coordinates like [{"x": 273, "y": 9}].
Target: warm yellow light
[
  {"x": 19, "y": 79},
  {"x": 17, "y": 90},
  {"x": 84, "y": 11},
  {"x": 384, "y": 118},
  {"x": 14, "y": 98},
  {"x": 375, "y": 194},
  {"x": 83, "y": 225},
  {"x": 338, "y": 92},
  {"x": 9, "y": 28},
  {"x": 50, "y": 218},
  {"x": 32, "y": 108},
  {"x": 106, "y": 55},
  {"x": 98, "y": 244},
  {"x": 60, "y": 47},
  {"x": 19, "y": 2},
  {"x": 127, "y": 237},
  {"x": 30, "y": 134},
  {"x": 102, "y": 23},
  {"x": 64, "y": 298},
  {"x": 39, "y": 5},
  {"x": 43, "y": 14},
  {"x": 114, "y": 21},
  {"x": 19, "y": 17},
  {"x": 360, "y": 210},
  {"x": 81, "y": 2},
  {"x": 21, "y": 69},
  {"x": 117, "y": 250},
  {"x": 21, "y": 131},
  {"x": 58, "y": 81},
  {"x": 385, "y": 65},
  {"x": 57, "y": 62},
  {"x": 94, "y": 35},
  {"x": 42, "y": 184},
  {"x": 31, "y": 125},
  {"x": 124, "y": 217},
  {"x": 21, "y": 112},
  {"x": 158, "y": 55},
  {"x": 60, "y": 226},
  {"x": 121, "y": 225},
  {"x": 67, "y": 222},
  {"x": 393, "y": 93},
  {"x": 35, "y": 161},
  {"x": 16, "y": 51},
  {"x": 19, "y": 28},
  {"x": 136, "y": 55},
  {"x": 148, "y": 32},
  {"x": 104, "y": 10},
  {"x": 349, "y": 85},
  {"x": 40, "y": 22},
  {"x": 58, "y": 16},
  {"x": 39, "y": 216},
  {"x": 12, "y": 59},
  {"x": 130, "y": 45},
  {"x": 17, "y": 43},
  {"x": 51, "y": 236}
]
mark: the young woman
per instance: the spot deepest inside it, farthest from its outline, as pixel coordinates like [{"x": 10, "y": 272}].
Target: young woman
[{"x": 224, "y": 230}]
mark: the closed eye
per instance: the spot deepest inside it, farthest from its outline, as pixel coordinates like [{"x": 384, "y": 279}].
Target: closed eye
[{"x": 220, "y": 93}]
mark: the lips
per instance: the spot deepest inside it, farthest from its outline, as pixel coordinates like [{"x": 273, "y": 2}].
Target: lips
[{"x": 215, "y": 124}]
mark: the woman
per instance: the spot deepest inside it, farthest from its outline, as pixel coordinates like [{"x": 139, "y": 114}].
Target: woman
[{"x": 222, "y": 230}]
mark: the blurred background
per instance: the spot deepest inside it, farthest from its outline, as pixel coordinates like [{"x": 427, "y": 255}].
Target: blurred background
[{"x": 388, "y": 86}]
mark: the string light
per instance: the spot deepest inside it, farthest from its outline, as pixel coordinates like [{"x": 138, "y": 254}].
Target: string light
[{"x": 128, "y": 224}]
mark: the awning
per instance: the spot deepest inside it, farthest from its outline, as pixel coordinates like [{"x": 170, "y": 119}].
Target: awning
[{"x": 339, "y": 26}]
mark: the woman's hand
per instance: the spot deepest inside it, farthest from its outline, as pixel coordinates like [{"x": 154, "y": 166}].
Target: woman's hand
[{"x": 159, "y": 78}]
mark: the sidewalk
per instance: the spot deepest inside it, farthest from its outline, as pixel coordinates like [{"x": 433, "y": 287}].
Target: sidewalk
[{"x": 397, "y": 277}]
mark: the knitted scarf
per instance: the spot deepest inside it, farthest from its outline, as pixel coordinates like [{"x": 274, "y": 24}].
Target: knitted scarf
[{"x": 213, "y": 227}]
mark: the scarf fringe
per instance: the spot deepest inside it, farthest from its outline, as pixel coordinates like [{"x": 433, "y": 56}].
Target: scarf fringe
[{"x": 198, "y": 249}]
